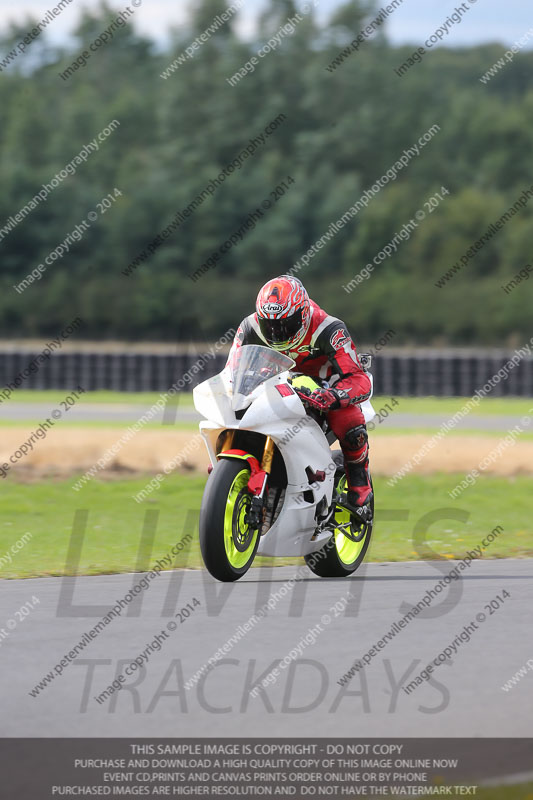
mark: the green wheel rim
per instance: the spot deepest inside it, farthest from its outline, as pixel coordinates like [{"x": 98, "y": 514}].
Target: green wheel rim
[
  {"x": 347, "y": 550},
  {"x": 237, "y": 505}
]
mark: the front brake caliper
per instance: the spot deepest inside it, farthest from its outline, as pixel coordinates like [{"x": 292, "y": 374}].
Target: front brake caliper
[{"x": 254, "y": 517}]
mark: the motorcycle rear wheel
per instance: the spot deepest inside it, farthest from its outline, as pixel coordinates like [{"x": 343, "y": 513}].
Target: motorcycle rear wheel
[
  {"x": 342, "y": 555},
  {"x": 228, "y": 545}
]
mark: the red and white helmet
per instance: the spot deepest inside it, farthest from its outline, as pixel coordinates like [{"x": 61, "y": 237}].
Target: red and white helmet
[{"x": 283, "y": 312}]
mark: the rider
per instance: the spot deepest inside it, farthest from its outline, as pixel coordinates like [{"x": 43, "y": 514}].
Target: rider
[{"x": 287, "y": 320}]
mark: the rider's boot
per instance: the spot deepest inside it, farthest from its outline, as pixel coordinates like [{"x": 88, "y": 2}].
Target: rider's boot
[
  {"x": 359, "y": 489},
  {"x": 359, "y": 495}
]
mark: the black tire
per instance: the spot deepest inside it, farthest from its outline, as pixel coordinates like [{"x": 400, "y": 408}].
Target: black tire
[
  {"x": 327, "y": 563},
  {"x": 213, "y": 518}
]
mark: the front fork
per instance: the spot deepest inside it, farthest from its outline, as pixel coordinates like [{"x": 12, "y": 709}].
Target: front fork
[
  {"x": 258, "y": 486},
  {"x": 260, "y": 473}
]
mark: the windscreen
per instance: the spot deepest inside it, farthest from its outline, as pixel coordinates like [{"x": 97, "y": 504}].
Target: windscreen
[{"x": 252, "y": 365}]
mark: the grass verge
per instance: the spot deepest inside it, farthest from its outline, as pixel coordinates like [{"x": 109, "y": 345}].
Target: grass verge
[
  {"x": 523, "y": 791},
  {"x": 46, "y": 510}
]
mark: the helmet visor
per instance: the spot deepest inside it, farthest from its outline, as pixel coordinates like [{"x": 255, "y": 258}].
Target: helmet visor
[{"x": 278, "y": 332}]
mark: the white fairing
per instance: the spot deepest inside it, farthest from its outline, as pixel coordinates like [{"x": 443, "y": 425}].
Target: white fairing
[{"x": 299, "y": 439}]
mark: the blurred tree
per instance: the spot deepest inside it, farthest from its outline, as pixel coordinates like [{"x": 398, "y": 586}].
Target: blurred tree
[{"x": 337, "y": 132}]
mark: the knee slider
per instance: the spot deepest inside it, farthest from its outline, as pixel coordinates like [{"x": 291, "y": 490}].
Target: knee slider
[{"x": 357, "y": 437}]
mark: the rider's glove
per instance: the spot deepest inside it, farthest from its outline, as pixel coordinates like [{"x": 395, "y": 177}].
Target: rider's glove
[{"x": 329, "y": 399}]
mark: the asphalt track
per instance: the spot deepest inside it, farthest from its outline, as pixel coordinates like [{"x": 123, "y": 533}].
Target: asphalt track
[
  {"x": 124, "y": 413},
  {"x": 464, "y": 697}
]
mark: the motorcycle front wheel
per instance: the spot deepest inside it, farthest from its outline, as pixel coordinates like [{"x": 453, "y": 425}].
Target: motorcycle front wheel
[{"x": 227, "y": 543}]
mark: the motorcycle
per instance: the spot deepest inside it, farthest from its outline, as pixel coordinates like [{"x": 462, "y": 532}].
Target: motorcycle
[{"x": 275, "y": 487}]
